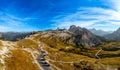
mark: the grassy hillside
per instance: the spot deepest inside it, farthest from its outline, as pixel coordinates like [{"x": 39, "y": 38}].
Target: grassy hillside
[
  {"x": 61, "y": 54},
  {"x": 20, "y": 60},
  {"x": 27, "y": 43},
  {"x": 71, "y": 61},
  {"x": 60, "y": 50},
  {"x": 13, "y": 56}
]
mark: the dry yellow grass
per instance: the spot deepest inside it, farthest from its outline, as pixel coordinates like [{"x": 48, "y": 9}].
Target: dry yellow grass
[
  {"x": 1, "y": 66},
  {"x": 20, "y": 60},
  {"x": 1, "y": 44},
  {"x": 27, "y": 43},
  {"x": 108, "y": 58},
  {"x": 74, "y": 60},
  {"x": 113, "y": 62},
  {"x": 110, "y": 44},
  {"x": 59, "y": 50}
]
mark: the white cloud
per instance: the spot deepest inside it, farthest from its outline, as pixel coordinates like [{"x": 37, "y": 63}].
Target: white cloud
[
  {"x": 10, "y": 20},
  {"x": 89, "y": 16},
  {"x": 115, "y": 4},
  {"x": 66, "y": 24}
]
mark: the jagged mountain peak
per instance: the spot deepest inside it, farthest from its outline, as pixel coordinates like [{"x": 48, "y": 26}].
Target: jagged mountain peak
[
  {"x": 84, "y": 36},
  {"x": 78, "y": 30},
  {"x": 73, "y": 28}
]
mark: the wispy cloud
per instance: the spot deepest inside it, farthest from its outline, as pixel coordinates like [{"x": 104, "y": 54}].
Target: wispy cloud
[
  {"x": 90, "y": 17},
  {"x": 10, "y": 22},
  {"x": 115, "y": 4}
]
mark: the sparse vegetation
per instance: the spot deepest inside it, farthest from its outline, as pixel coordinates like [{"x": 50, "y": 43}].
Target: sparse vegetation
[
  {"x": 71, "y": 61},
  {"x": 20, "y": 60},
  {"x": 112, "y": 62},
  {"x": 112, "y": 46}
]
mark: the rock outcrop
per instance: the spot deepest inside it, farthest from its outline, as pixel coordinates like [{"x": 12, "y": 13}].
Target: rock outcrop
[{"x": 83, "y": 36}]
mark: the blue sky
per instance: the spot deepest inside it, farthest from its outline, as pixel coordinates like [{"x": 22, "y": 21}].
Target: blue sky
[{"x": 29, "y": 15}]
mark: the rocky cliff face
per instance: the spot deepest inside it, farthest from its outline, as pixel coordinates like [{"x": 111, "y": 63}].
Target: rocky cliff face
[{"x": 83, "y": 36}]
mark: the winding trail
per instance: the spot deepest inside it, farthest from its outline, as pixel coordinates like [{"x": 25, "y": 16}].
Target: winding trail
[
  {"x": 77, "y": 61},
  {"x": 98, "y": 53},
  {"x": 45, "y": 63},
  {"x": 42, "y": 61}
]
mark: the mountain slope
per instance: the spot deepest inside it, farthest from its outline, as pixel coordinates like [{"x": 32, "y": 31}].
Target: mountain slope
[
  {"x": 83, "y": 36},
  {"x": 99, "y": 32},
  {"x": 114, "y": 36},
  {"x": 63, "y": 54},
  {"x": 16, "y": 57},
  {"x": 75, "y": 36}
]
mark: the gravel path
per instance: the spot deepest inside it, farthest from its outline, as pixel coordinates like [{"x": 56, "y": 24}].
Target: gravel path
[{"x": 42, "y": 62}]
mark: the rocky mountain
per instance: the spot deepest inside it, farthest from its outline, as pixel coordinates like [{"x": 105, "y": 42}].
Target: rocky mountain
[
  {"x": 75, "y": 36},
  {"x": 99, "y": 32},
  {"x": 84, "y": 36},
  {"x": 114, "y": 36}
]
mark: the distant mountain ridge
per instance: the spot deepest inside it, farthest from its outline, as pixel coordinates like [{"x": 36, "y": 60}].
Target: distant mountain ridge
[
  {"x": 14, "y": 36},
  {"x": 99, "y": 32},
  {"x": 115, "y": 36}
]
